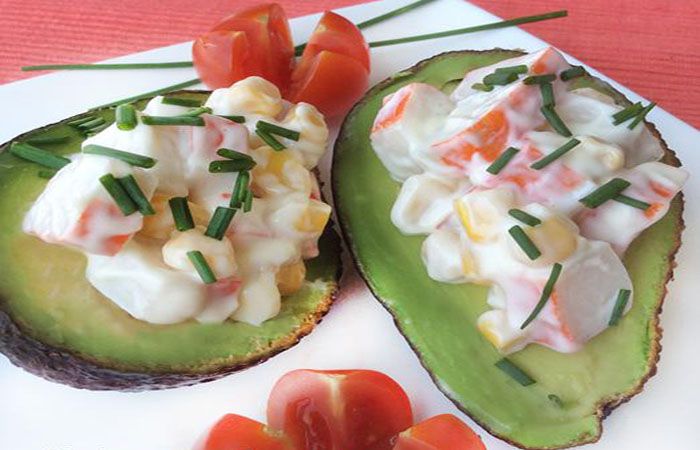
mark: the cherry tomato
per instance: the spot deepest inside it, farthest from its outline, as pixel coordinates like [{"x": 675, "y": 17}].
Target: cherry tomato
[
  {"x": 443, "y": 432},
  {"x": 268, "y": 52},
  {"x": 234, "y": 432},
  {"x": 338, "y": 410},
  {"x": 333, "y": 71}
]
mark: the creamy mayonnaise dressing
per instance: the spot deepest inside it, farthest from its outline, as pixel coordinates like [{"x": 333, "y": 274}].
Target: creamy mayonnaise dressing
[
  {"x": 439, "y": 148},
  {"x": 140, "y": 262}
]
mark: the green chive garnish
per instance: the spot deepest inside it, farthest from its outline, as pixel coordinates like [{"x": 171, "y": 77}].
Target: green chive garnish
[
  {"x": 626, "y": 114},
  {"x": 219, "y": 223},
  {"x": 519, "y": 69},
  {"x": 556, "y": 154},
  {"x": 47, "y": 140},
  {"x": 546, "y": 293},
  {"x": 547, "y": 93},
  {"x": 230, "y": 165},
  {"x": 555, "y": 121},
  {"x": 201, "y": 266},
  {"x": 179, "y": 101},
  {"x": 500, "y": 162},
  {"x": 622, "y": 298},
  {"x": 125, "y": 117},
  {"x": 515, "y": 372},
  {"x": 46, "y": 174},
  {"x": 80, "y": 121},
  {"x": 239, "y": 189},
  {"x": 633, "y": 202},
  {"x": 524, "y": 217},
  {"x": 163, "y": 65},
  {"x": 524, "y": 242},
  {"x": 160, "y": 91},
  {"x": 271, "y": 128},
  {"x": 574, "y": 72},
  {"x": 119, "y": 195},
  {"x": 197, "y": 112},
  {"x": 96, "y": 122},
  {"x": 131, "y": 186},
  {"x": 539, "y": 79},
  {"x": 482, "y": 87},
  {"x": 237, "y": 119},
  {"x": 38, "y": 155},
  {"x": 248, "y": 201},
  {"x": 270, "y": 140},
  {"x": 129, "y": 158},
  {"x": 233, "y": 154},
  {"x": 606, "y": 192},
  {"x": 641, "y": 115},
  {"x": 175, "y": 121},
  {"x": 181, "y": 213},
  {"x": 95, "y": 130},
  {"x": 499, "y": 78}
]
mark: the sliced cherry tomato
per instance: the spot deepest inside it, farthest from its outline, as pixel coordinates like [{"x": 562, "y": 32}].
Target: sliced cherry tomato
[
  {"x": 218, "y": 57},
  {"x": 269, "y": 52},
  {"x": 338, "y": 410},
  {"x": 443, "y": 432},
  {"x": 234, "y": 432},
  {"x": 334, "y": 69}
]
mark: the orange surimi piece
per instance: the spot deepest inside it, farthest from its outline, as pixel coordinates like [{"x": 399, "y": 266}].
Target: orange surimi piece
[
  {"x": 393, "y": 110},
  {"x": 486, "y": 137}
]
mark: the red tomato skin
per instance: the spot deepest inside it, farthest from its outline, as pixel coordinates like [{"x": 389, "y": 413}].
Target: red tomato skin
[
  {"x": 338, "y": 410},
  {"x": 337, "y": 34},
  {"x": 332, "y": 83},
  {"x": 234, "y": 432},
  {"x": 220, "y": 58},
  {"x": 443, "y": 432}
]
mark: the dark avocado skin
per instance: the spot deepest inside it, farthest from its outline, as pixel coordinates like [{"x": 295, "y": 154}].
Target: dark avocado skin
[
  {"x": 20, "y": 343},
  {"x": 537, "y": 424}
]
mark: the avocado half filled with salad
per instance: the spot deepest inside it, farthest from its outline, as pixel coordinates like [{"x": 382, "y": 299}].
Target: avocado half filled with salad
[
  {"x": 521, "y": 227},
  {"x": 166, "y": 242}
]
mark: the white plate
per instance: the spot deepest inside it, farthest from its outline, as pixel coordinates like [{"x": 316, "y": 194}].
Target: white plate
[{"x": 357, "y": 333}]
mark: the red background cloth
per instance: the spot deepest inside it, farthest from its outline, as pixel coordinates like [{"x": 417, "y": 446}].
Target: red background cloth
[{"x": 651, "y": 46}]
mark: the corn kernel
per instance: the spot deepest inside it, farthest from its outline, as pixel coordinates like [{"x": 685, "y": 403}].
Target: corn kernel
[
  {"x": 314, "y": 218},
  {"x": 480, "y": 212},
  {"x": 291, "y": 277}
]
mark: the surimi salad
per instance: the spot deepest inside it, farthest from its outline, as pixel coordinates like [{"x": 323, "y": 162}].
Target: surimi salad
[
  {"x": 528, "y": 186},
  {"x": 190, "y": 211}
]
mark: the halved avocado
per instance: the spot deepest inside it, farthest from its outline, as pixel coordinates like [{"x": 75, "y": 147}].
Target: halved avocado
[
  {"x": 439, "y": 319},
  {"x": 53, "y": 323}
]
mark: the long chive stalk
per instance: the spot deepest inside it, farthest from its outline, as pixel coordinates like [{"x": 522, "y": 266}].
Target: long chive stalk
[{"x": 117, "y": 66}]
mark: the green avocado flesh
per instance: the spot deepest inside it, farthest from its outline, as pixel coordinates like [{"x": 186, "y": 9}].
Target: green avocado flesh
[
  {"x": 439, "y": 319},
  {"x": 45, "y": 295}
]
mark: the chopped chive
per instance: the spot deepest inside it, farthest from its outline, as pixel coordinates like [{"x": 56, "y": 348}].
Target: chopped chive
[
  {"x": 524, "y": 242},
  {"x": 574, "y": 72},
  {"x": 38, "y": 155},
  {"x": 546, "y": 293},
  {"x": 181, "y": 213},
  {"x": 519, "y": 69},
  {"x": 271, "y": 128},
  {"x": 556, "y": 400},
  {"x": 503, "y": 160},
  {"x": 270, "y": 140},
  {"x": 119, "y": 195},
  {"x": 201, "y": 266},
  {"x": 128, "y": 157},
  {"x": 230, "y": 165},
  {"x": 606, "y": 192},
  {"x": 499, "y": 78},
  {"x": 622, "y": 298},
  {"x": 168, "y": 120},
  {"x": 627, "y": 113},
  {"x": 220, "y": 221},
  {"x": 80, "y": 121},
  {"x": 237, "y": 119},
  {"x": 119, "y": 66},
  {"x": 125, "y": 116},
  {"x": 233, "y": 154},
  {"x": 641, "y": 115},
  {"x": 547, "y": 93},
  {"x": 556, "y": 154},
  {"x": 482, "y": 87},
  {"x": 539, "y": 79},
  {"x": 93, "y": 131},
  {"x": 131, "y": 186},
  {"x": 633, "y": 202},
  {"x": 160, "y": 91},
  {"x": 248, "y": 201},
  {"x": 179, "y": 101},
  {"x": 239, "y": 189},
  {"x": 47, "y": 140},
  {"x": 515, "y": 372},
  {"x": 197, "y": 112},
  {"x": 524, "y": 217},
  {"x": 97, "y": 121},
  {"x": 555, "y": 121},
  {"x": 46, "y": 174}
]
